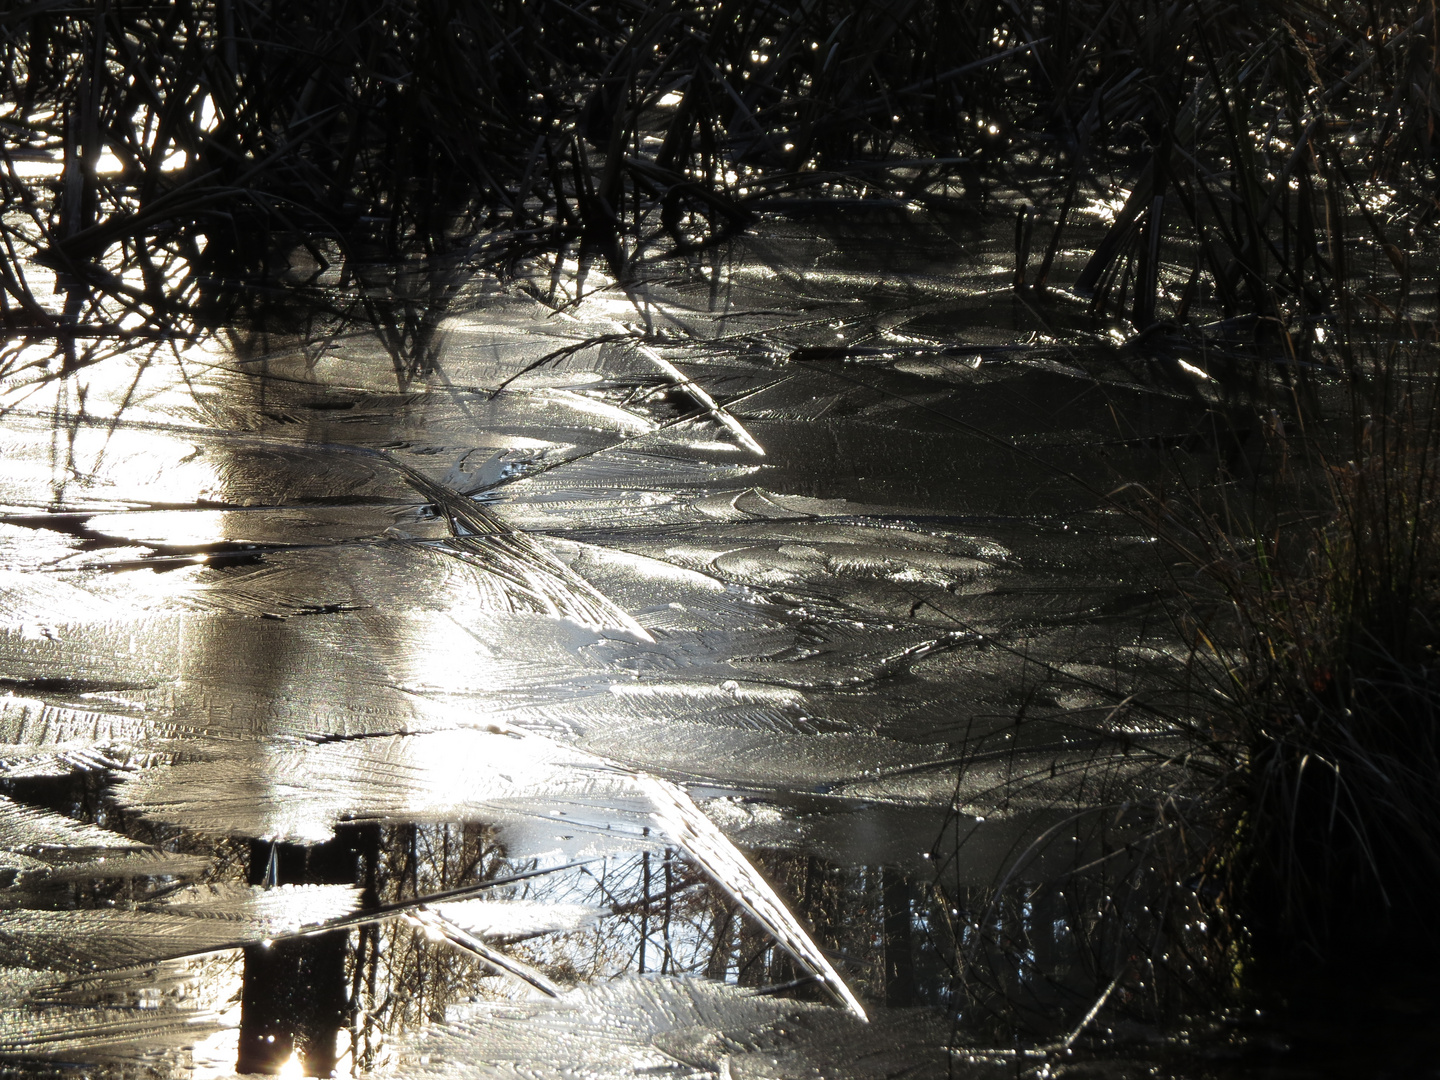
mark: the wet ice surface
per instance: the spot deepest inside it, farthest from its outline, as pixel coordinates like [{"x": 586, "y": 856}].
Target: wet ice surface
[
  {"x": 802, "y": 547},
  {"x": 633, "y": 1027}
]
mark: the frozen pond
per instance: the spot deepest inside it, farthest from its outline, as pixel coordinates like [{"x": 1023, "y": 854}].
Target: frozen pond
[{"x": 494, "y": 639}]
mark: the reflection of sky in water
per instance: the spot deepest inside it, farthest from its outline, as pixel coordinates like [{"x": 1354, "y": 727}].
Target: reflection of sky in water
[{"x": 174, "y": 527}]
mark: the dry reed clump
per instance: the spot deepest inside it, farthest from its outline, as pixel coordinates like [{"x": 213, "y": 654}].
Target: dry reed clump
[
  {"x": 206, "y": 153},
  {"x": 1315, "y": 615}
]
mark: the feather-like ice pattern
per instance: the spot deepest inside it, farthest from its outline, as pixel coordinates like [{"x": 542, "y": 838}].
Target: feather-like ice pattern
[
  {"x": 437, "y": 925},
  {"x": 204, "y": 920},
  {"x": 91, "y": 940},
  {"x": 687, "y": 825},
  {"x": 765, "y": 760},
  {"x": 99, "y": 1033},
  {"x": 38, "y": 738},
  {"x": 646, "y": 1026},
  {"x": 517, "y": 918},
  {"x": 149, "y": 862},
  {"x": 532, "y": 576},
  {"x": 300, "y": 791},
  {"x": 43, "y": 844},
  {"x": 33, "y": 829},
  {"x": 600, "y": 1030},
  {"x": 115, "y": 1015},
  {"x": 274, "y": 912},
  {"x": 36, "y": 603}
]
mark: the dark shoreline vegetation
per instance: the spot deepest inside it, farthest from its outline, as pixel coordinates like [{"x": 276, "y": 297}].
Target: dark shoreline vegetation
[{"x": 173, "y": 171}]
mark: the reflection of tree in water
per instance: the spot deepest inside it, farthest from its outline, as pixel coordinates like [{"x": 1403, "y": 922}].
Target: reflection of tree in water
[
  {"x": 1036, "y": 956},
  {"x": 399, "y": 978},
  {"x": 655, "y": 914},
  {"x": 876, "y": 920},
  {"x": 1115, "y": 935}
]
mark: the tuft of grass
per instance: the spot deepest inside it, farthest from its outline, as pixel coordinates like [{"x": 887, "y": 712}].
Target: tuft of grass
[{"x": 1313, "y": 607}]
